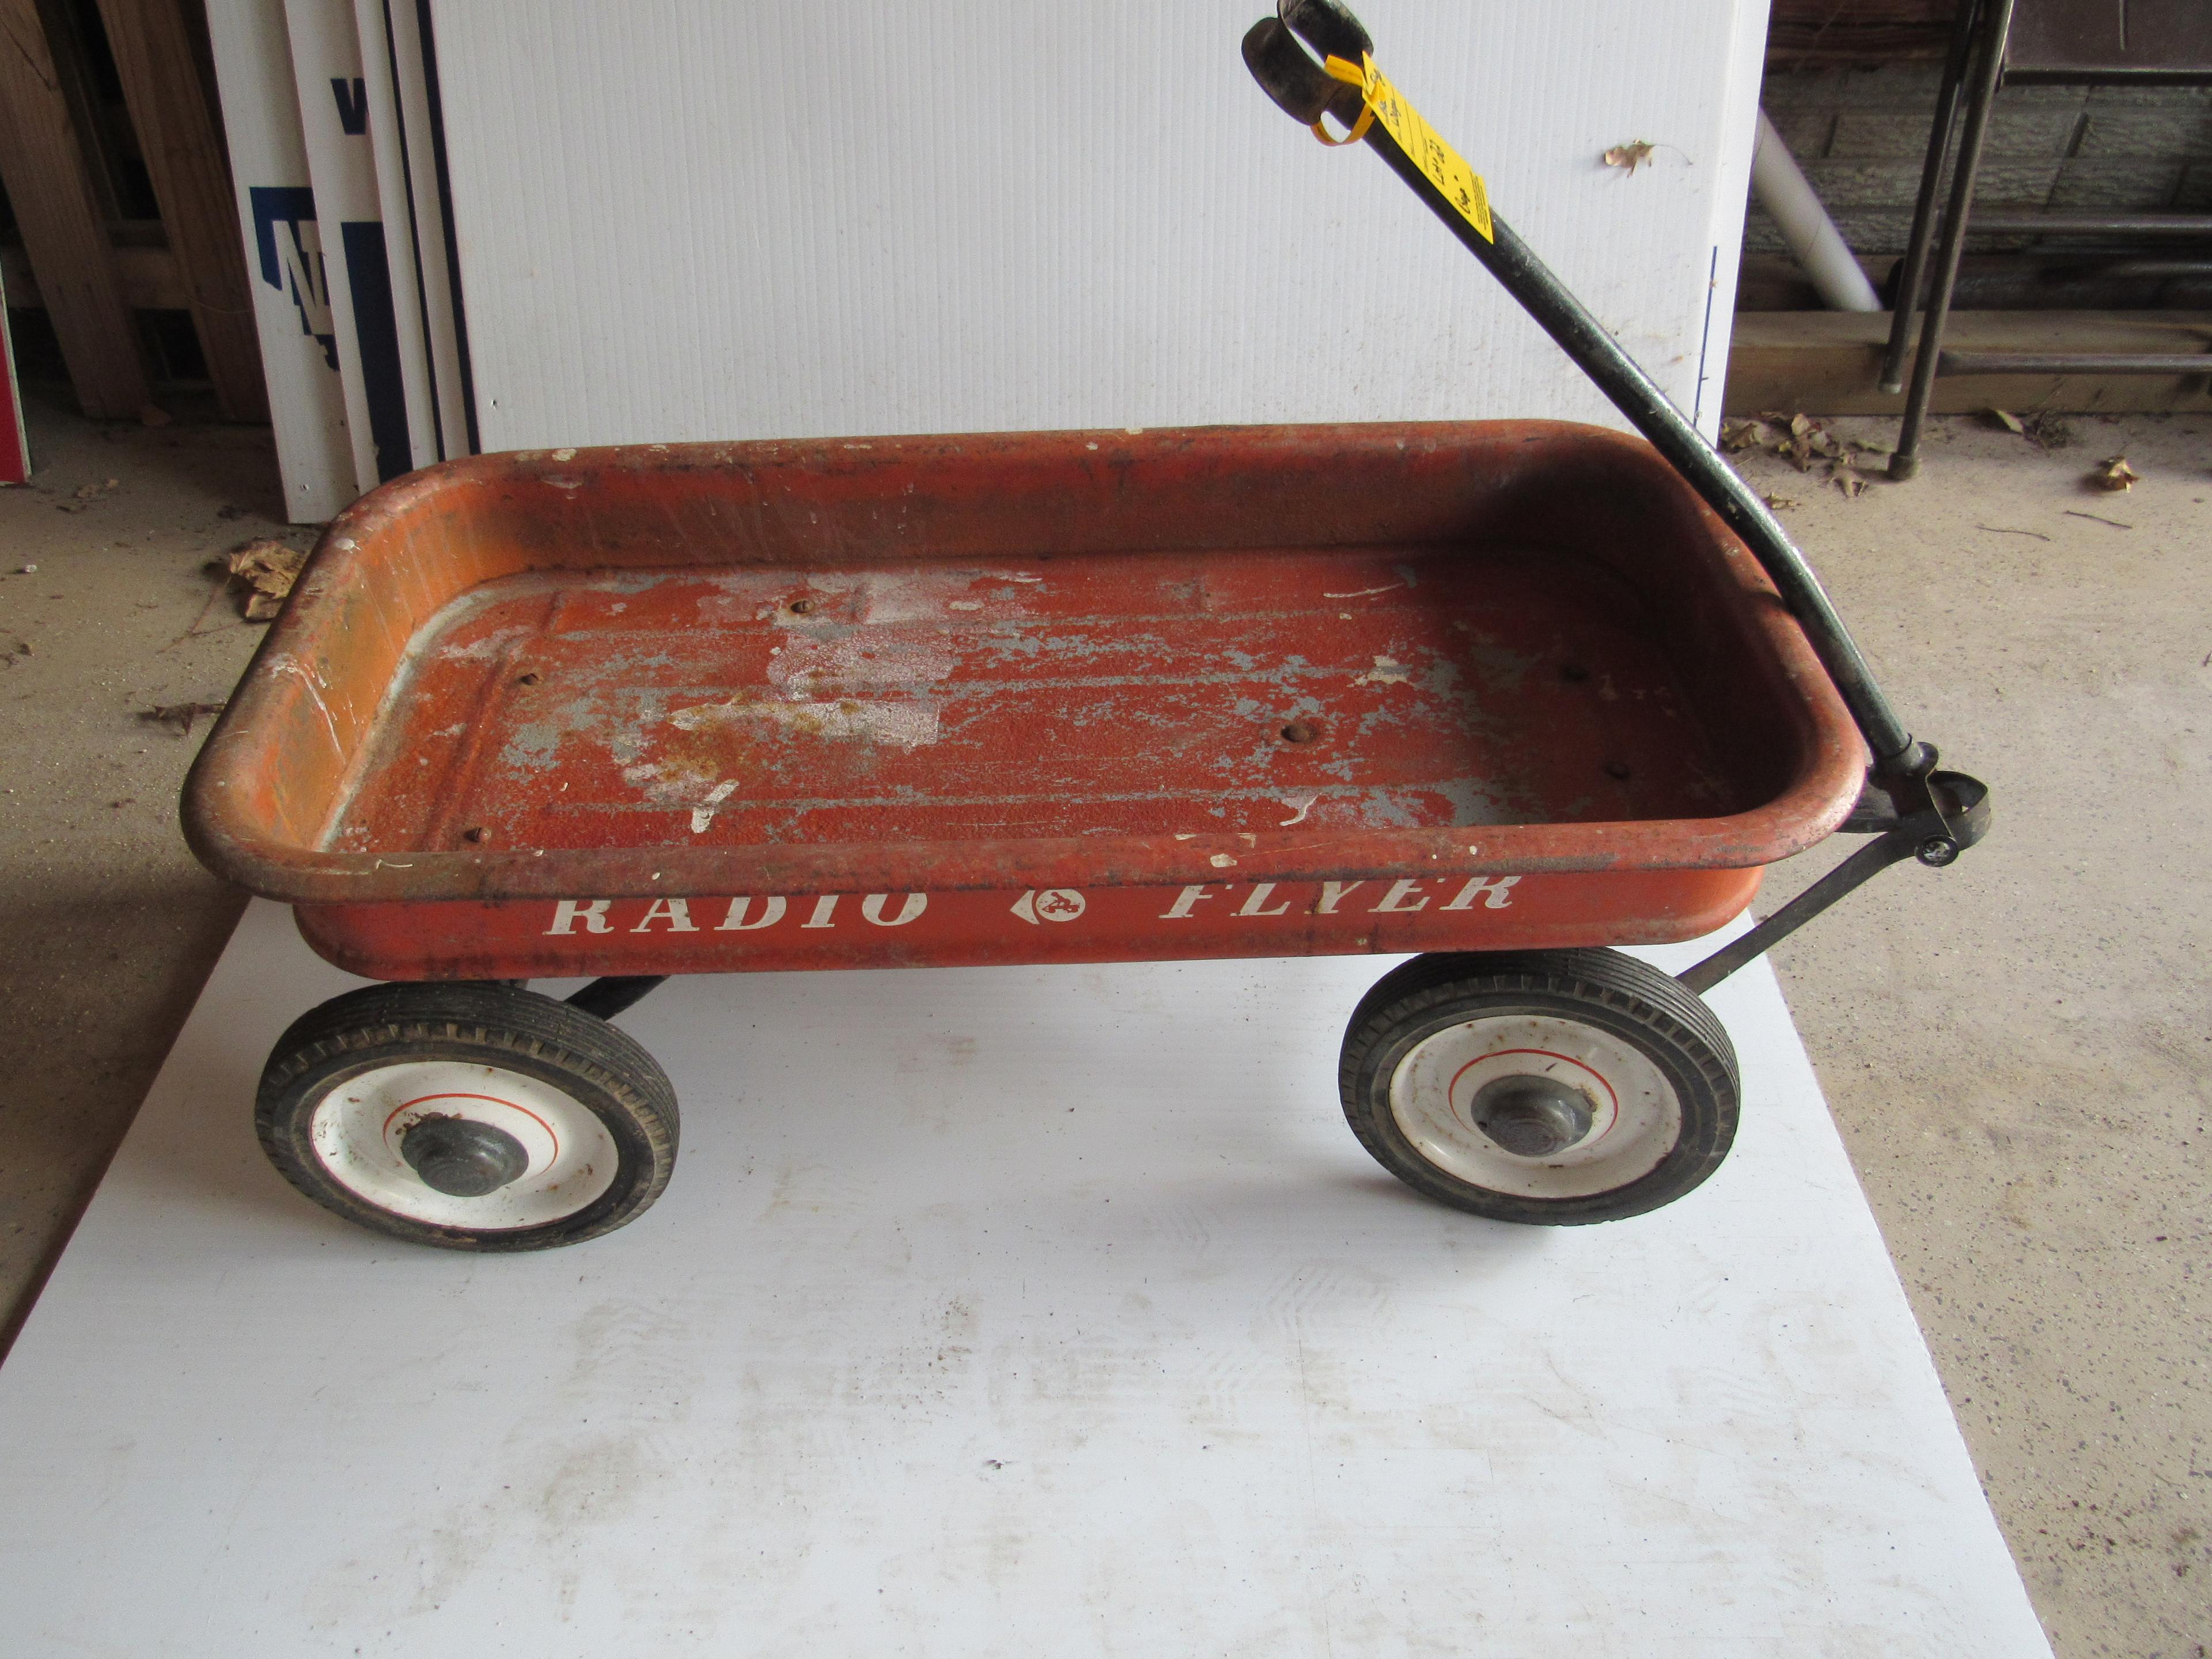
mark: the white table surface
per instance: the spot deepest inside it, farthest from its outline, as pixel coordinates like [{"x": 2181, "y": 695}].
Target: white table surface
[{"x": 991, "y": 1312}]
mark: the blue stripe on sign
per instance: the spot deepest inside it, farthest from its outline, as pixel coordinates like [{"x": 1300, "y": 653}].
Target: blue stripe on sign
[{"x": 377, "y": 331}]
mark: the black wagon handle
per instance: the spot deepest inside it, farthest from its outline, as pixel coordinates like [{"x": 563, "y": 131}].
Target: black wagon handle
[{"x": 1952, "y": 808}]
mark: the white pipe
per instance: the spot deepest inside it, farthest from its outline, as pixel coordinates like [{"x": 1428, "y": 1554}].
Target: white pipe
[{"x": 1820, "y": 247}]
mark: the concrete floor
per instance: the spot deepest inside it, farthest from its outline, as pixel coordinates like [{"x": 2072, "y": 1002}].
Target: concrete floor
[
  {"x": 107, "y": 925},
  {"x": 2019, "y": 1049}
]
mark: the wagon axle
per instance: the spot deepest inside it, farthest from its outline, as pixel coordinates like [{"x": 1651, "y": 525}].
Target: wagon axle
[
  {"x": 463, "y": 1158},
  {"x": 1533, "y": 1116}
]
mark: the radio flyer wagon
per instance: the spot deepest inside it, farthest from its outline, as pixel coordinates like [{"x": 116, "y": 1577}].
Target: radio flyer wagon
[{"x": 1498, "y": 694}]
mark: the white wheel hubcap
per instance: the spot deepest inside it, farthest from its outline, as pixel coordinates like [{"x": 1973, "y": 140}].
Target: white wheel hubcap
[
  {"x": 358, "y": 1126},
  {"x": 1635, "y": 1117}
]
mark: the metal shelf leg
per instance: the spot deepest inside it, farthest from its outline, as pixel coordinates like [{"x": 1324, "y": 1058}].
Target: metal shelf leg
[
  {"x": 1931, "y": 180},
  {"x": 1988, "y": 66}
]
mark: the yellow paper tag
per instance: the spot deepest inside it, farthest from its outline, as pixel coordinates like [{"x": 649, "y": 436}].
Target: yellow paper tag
[{"x": 1440, "y": 164}]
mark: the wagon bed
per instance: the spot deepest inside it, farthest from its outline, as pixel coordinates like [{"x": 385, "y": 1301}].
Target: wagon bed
[
  {"x": 1109, "y": 664},
  {"x": 1095, "y": 695}
]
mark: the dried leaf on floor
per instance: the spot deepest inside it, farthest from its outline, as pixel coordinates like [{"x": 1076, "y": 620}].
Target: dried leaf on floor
[
  {"x": 1778, "y": 502},
  {"x": 1736, "y": 436},
  {"x": 1632, "y": 155},
  {"x": 1810, "y": 442},
  {"x": 266, "y": 564},
  {"x": 2043, "y": 430},
  {"x": 180, "y": 715},
  {"x": 2114, "y": 474},
  {"x": 91, "y": 491},
  {"x": 1804, "y": 442},
  {"x": 265, "y": 571},
  {"x": 153, "y": 415}
]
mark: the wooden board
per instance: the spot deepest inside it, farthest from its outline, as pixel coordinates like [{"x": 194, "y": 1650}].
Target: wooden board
[
  {"x": 150, "y": 279},
  {"x": 1816, "y": 33},
  {"x": 51, "y": 189},
  {"x": 1824, "y": 363},
  {"x": 184, "y": 158}
]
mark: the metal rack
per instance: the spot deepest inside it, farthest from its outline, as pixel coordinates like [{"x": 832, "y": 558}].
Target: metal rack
[{"x": 2036, "y": 42}]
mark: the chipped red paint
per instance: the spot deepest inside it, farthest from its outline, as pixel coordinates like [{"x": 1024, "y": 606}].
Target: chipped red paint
[{"x": 978, "y": 668}]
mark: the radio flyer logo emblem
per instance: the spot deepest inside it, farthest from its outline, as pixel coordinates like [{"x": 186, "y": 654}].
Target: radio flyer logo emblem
[{"x": 1053, "y": 904}]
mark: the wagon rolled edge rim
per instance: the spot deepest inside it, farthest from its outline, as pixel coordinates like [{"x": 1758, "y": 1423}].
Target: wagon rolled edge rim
[{"x": 226, "y": 837}]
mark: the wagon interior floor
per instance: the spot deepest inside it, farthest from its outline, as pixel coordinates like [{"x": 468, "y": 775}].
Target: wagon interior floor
[{"x": 1093, "y": 695}]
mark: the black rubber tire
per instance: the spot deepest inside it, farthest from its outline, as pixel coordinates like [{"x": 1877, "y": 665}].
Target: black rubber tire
[
  {"x": 605, "y": 1069},
  {"x": 1614, "y": 992}
]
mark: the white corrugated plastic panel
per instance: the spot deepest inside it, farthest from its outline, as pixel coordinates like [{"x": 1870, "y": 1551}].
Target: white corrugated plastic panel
[
  {"x": 682, "y": 219},
  {"x": 286, "y": 265}
]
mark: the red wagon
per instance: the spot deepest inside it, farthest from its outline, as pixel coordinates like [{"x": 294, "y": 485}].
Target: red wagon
[{"x": 1499, "y": 694}]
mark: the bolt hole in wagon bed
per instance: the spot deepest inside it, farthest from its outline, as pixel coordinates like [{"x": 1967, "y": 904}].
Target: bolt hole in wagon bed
[{"x": 1461, "y": 689}]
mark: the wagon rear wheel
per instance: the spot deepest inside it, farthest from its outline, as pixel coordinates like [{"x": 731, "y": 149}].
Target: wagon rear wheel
[
  {"x": 1555, "y": 1087},
  {"x": 474, "y": 1116}
]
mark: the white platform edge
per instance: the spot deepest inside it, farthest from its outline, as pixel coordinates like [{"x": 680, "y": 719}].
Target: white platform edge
[{"x": 991, "y": 1312}]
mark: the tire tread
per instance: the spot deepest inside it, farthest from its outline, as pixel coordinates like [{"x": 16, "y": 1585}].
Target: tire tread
[
  {"x": 481, "y": 1015},
  {"x": 1632, "y": 993}
]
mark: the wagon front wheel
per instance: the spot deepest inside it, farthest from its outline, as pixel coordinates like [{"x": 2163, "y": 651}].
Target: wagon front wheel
[
  {"x": 474, "y": 1116},
  {"x": 1556, "y": 1087}
]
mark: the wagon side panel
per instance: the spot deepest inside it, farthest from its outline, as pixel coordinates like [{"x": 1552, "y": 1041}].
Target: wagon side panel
[{"x": 545, "y": 939}]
